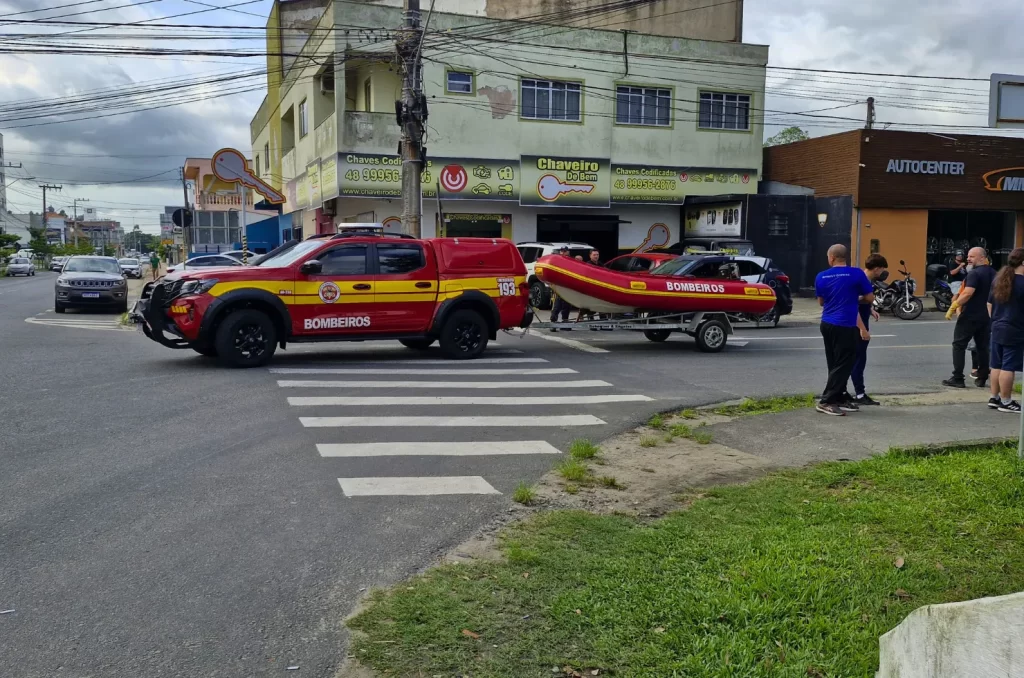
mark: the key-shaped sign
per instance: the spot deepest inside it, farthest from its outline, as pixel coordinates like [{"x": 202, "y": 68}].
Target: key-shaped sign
[
  {"x": 231, "y": 166},
  {"x": 550, "y": 188},
  {"x": 657, "y": 236}
]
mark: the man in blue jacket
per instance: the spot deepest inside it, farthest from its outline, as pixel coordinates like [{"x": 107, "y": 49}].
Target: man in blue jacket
[{"x": 840, "y": 290}]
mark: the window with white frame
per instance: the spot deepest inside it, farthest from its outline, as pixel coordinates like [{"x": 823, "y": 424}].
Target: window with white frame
[
  {"x": 303, "y": 119},
  {"x": 551, "y": 100},
  {"x": 257, "y": 165},
  {"x": 643, "y": 106},
  {"x": 266, "y": 156},
  {"x": 459, "y": 82},
  {"x": 724, "y": 110}
]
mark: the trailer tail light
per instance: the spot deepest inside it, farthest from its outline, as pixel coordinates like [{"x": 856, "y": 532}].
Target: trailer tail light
[{"x": 782, "y": 279}]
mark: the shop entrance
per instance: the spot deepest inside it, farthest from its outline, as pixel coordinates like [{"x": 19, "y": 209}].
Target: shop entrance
[
  {"x": 952, "y": 231},
  {"x": 600, "y": 232},
  {"x": 474, "y": 225}
]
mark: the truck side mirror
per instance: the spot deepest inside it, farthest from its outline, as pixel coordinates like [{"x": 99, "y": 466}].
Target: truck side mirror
[{"x": 311, "y": 267}]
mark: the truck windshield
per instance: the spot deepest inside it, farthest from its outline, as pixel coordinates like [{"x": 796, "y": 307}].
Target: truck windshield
[{"x": 291, "y": 255}]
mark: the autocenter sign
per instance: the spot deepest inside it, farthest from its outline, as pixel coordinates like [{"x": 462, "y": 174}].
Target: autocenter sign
[{"x": 896, "y": 166}]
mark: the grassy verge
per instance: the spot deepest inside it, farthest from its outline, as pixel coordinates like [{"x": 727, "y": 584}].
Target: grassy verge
[
  {"x": 796, "y": 575},
  {"x": 766, "y": 405}
]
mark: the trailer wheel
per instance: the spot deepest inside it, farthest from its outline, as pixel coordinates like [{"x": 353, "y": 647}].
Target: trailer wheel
[
  {"x": 711, "y": 336},
  {"x": 657, "y": 336}
]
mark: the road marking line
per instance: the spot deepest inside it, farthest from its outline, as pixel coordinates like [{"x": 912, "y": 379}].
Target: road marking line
[
  {"x": 572, "y": 343},
  {"x": 414, "y": 371},
  {"x": 735, "y": 338},
  {"x": 822, "y": 348},
  {"x": 387, "y": 401},
  {"x": 415, "y": 487},
  {"x": 437, "y": 449},
  {"x": 442, "y": 361},
  {"x": 79, "y": 326},
  {"x": 451, "y": 422},
  {"x": 581, "y": 383}
]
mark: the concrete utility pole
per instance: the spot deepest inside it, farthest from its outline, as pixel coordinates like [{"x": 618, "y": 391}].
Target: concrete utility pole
[
  {"x": 74, "y": 207},
  {"x": 870, "y": 122},
  {"x": 45, "y": 187},
  {"x": 411, "y": 112},
  {"x": 185, "y": 230}
]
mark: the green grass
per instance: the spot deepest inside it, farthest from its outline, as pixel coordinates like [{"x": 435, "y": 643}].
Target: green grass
[
  {"x": 702, "y": 437},
  {"x": 610, "y": 482},
  {"x": 649, "y": 441},
  {"x": 656, "y": 422},
  {"x": 681, "y": 430},
  {"x": 573, "y": 470},
  {"x": 524, "y": 494},
  {"x": 792, "y": 576},
  {"x": 581, "y": 448},
  {"x": 688, "y": 414},
  {"x": 766, "y": 405}
]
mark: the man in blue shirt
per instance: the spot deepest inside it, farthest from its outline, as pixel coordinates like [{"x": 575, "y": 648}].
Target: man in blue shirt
[
  {"x": 875, "y": 268},
  {"x": 840, "y": 289}
]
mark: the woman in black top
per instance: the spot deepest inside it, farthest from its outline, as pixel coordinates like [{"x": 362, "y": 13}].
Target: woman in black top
[{"x": 1006, "y": 306}]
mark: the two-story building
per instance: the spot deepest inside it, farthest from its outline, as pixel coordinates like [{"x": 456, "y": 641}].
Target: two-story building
[
  {"x": 217, "y": 207},
  {"x": 535, "y": 132}
]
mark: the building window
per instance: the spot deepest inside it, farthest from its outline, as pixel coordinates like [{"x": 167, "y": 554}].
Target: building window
[
  {"x": 303, "y": 119},
  {"x": 266, "y": 156},
  {"x": 643, "y": 106},
  {"x": 367, "y": 94},
  {"x": 551, "y": 100},
  {"x": 875, "y": 246},
  {"x": 258, "y": 166},
  {"x": 458, "y": 82},
  {"x": 722, "y": 110},
  {"x": 778, "y": 225}
]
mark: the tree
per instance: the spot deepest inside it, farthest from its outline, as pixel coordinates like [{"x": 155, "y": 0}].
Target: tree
[
  {"x": 8, "y": 240},
  {"x": 788, "y": 136}
]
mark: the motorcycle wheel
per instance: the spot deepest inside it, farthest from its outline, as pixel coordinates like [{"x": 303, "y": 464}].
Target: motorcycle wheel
[
  {"x": 942, "y": 304},
  {"x": 909, "y": 310}
]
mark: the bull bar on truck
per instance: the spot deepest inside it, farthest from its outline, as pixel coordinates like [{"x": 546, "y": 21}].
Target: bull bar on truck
[{"x": 148, "y": 313}]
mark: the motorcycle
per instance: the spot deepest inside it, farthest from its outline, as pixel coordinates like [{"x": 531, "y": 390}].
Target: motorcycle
[
  {"x": 898, "y": 296},
  {"x": 943, "y": 295}
]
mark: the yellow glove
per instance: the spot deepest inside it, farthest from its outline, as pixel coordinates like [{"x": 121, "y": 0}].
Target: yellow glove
[{"x": 952, "y": 309}]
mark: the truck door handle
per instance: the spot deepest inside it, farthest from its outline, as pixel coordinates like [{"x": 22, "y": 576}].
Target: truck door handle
[
  {"x": 423, "y": 285},
  {"x": 361, "y": 286}
]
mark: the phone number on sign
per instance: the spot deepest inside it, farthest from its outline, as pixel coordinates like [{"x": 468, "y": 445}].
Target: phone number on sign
[
  {"x": 381, "y": 175},
  {"x": 646, "y": 184}
]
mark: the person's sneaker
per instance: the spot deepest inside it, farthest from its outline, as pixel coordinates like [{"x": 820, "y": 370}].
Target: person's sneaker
[
  {"x": 954, "y": 383},
  {"x": 865, "y": 399},
  {"x": 980, "y": 382},
  {"x": 849, "y": 407},
  {"x": 974, "y": 372},
  {"x": 1013, "y": 407},
  {"x": 994, "y": 402},
  {"x": 832, "y": 410}
]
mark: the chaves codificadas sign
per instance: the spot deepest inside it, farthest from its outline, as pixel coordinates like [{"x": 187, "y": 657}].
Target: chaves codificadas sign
[
  {"x": 374, "y": 175},
  {"x": 659, "y": 184}
]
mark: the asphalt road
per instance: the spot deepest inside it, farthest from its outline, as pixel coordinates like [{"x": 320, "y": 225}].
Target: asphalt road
[{"x": 162, "y": 516}]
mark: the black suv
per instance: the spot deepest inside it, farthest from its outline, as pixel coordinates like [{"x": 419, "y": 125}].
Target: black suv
[{"x": 89, "y": 282}]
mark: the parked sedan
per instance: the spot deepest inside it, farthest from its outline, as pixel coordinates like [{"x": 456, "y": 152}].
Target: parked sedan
[
  {"x": 132, "y": 268},
  {"x": 639, "y": 262},
  {"x": 20, "y": 266},
  {"x": 206, "y": 261}
]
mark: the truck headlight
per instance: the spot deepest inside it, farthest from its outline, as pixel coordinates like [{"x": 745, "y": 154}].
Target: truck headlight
[
  {"x": 63, "y": 282},
  {"x": 198, "y": 286}
]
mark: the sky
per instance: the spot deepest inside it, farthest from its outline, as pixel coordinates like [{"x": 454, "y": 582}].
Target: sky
[{"x": 135, "y": 157}]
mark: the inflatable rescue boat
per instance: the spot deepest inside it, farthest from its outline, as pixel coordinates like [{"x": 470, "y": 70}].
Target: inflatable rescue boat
[{"x": 598, "y": 289}]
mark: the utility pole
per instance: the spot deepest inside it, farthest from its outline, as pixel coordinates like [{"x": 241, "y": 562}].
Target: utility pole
[
  {"x": 411, "y": 112},
  {"x": 185, "y": 230},
  {"x": 74, "y": 203},
  {"x": 45, "y": 187},
  {"x": 3, "y": 187},
  {"x": 870, "y": 123}
]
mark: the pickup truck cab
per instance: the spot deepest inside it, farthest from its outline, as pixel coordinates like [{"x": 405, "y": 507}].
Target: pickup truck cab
[{"x": 353, "y": 286}]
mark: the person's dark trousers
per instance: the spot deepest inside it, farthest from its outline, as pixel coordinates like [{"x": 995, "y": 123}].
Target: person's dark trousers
[
  {"x": 840, "y": 354},
  {"x": 979, "y": 329},
  {"x": 857, "y": 375},
  {"x": 560, "y": 307}
]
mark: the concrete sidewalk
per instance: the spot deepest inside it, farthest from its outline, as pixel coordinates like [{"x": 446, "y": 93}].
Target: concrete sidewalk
[
  {"x": 807, "y": 310},
  {"x": 805, "y": 436}
]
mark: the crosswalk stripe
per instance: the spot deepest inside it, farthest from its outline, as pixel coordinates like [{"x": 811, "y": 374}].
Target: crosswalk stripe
[
  {"x": 410, "y": 371},
  {"x": 415, "y": 486},
  {"x": 438, "y": 361},
  {"x": 475, "y": 449},
  {"x": 580, "y": 383},
  {"x": 388, "y": 401},
  {"x": 451, "y": 422}
]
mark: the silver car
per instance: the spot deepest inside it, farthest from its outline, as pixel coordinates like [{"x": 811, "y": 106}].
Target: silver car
[
  {"x": 90, "y": 282},
  {"x": 131, "y": 267},
  {"x": 20, "y": 266}
]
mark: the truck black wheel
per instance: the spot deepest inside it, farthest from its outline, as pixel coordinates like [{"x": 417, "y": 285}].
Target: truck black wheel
[
  {"x": 657, "y": 335},
  {"x": 540, "y": 295},
  {"x": 464, "y": 335},
  {"x": 711, "y": 336},
  {"x": 417, "y": 344},
  {"x": 246, "y": 338},
  {"x": 59, "y": 307}
]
